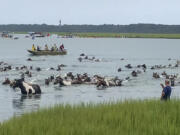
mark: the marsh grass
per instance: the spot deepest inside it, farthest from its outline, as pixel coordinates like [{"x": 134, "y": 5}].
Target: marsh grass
[
  {"x": 124, "y": 118},
  {"x": 122, "y": 35},
  {"x": 114, "y": 35}
]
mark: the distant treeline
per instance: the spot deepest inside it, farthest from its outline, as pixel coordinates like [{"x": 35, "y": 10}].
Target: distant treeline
[{"x": 132, "y": 28}]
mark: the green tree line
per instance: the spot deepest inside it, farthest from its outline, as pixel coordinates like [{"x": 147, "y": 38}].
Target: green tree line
[{"x": 106, "y": 28}]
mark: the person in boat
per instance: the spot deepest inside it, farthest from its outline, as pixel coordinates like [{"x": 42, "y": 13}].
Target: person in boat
[
  {"x": 61, "y": 47},
  {"x": 52, "y": 48},
  {"x": 55, "y": 47},
  {"x": 46, "y": 48},
  {"x": 166, "y": 92},
  {"x": 38, "y": 48},
  {"x": 33, "y": 48}
]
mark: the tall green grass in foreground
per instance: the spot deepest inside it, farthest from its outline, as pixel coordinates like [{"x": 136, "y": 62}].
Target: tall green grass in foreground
[{"x": 126, "y": 118}]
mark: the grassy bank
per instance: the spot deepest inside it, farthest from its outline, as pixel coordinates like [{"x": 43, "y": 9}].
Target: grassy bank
[
  {"x": 122, "y": 35},
  {"x": 114, "y": 35},
  {"x": 127, "y": 118}
]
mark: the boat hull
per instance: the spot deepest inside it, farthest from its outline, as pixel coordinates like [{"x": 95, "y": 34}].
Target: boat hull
[{"x": 43, "y": 52}]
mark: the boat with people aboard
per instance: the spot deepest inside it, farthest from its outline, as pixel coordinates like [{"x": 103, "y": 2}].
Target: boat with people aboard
[
  {"x": 47, "y": 52},
  {"x": 53, "y": 51}
]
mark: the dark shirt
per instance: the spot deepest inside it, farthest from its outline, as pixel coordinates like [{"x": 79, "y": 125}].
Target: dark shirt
[
  {"x": 167, "y": 92},
  {"x": 38, "y": 49}
]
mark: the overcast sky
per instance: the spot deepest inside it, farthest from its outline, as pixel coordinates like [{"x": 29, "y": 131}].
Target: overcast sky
[{"x": 89, "y": 11}]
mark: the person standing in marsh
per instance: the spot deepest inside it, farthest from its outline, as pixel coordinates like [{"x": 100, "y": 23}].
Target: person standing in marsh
[{"x": 166, "y": 92}]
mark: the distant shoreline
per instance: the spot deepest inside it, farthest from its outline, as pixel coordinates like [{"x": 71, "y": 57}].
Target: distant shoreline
[
  {"x": 85, "y": 28},
  {"x": 112, "y": 35},
  {"x": 125, "y": 35}
]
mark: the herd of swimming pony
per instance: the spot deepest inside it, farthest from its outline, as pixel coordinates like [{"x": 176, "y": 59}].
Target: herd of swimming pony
[{"x": 69, "y": 78}]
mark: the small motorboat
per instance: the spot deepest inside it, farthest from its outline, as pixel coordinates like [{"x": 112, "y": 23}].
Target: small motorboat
[{"x": 47, "y": 52}]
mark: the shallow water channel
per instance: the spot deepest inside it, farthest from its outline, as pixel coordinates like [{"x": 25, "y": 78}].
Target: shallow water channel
[{"x": 108, "y": 50}]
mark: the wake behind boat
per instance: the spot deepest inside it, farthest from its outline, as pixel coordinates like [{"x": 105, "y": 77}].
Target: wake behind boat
[{"x": 47, "y": 52}]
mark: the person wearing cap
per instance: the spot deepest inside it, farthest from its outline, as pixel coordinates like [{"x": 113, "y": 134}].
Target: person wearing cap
[{"x": 166, "y": 92}]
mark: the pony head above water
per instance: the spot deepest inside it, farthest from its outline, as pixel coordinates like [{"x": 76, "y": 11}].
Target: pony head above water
[{"x": 17, "y": 83}]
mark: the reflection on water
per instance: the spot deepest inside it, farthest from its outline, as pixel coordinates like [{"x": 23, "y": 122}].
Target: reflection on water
[
  {"x": 110, "y": 51},
  {"x": 26, "y": 102}
]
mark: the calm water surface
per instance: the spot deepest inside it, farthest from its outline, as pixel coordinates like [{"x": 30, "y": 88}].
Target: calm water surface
[{"x": 109, "y": 50}]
